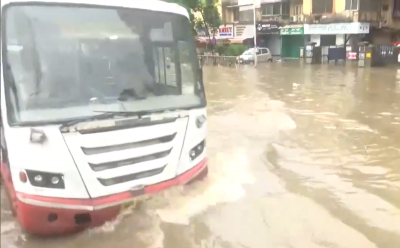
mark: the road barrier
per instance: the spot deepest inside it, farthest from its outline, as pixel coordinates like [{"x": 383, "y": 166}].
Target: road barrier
[{"x": 216, "y": 60}]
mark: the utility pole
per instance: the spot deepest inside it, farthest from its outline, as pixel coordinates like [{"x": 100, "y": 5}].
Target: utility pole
[{"x": 255, "y": 34}]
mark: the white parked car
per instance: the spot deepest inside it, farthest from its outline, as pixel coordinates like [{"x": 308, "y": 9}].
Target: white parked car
[{"x": 263, "y": 55}]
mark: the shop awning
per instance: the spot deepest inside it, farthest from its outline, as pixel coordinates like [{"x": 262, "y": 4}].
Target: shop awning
[
  {"x": 239, "y": 40},
  {"x": 202, "y": 40}
]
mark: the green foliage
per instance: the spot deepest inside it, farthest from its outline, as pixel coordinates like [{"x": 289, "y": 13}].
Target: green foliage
[
  {"x": 235, "y": 49},
  {"x": 221, "y": 49},
  {"x": 231, "y": 49},
  {"x": 210, "y": 19}
]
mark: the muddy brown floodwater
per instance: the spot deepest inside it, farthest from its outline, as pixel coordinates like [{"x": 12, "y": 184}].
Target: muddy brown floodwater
[{"x": 300, "y": 157}]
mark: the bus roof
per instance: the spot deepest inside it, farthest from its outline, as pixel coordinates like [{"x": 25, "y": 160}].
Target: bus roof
[{"x": 155, "y": 5}]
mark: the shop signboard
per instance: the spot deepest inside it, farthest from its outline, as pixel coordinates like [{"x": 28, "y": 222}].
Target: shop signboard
[
  {"x": 268, "y": 27},
  {"x": 225, "y": 31},
  {"x": 244, "y": 31},
  {"x": 292, "y": 31},
  {"x": 337, "y": 28}
]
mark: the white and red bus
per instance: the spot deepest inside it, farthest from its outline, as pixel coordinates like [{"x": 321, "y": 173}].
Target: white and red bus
[{"x": 101, "y": 102}]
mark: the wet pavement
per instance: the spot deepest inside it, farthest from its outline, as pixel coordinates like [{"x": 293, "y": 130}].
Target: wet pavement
[{"x": 300, "y": 156}]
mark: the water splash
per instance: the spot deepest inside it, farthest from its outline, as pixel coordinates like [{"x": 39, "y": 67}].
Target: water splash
[{"x": 224, "y": 184}]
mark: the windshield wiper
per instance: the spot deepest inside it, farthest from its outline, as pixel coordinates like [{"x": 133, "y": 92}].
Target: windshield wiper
[
  {"x": 36, "y": 60},
  {"x": 102, "y": 116}
]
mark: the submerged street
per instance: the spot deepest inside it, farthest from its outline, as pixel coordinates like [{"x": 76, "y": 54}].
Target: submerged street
[{"x": 301, "y": 156}]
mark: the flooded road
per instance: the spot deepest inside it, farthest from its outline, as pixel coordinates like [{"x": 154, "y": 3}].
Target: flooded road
[{"x": 300, "y": 156}]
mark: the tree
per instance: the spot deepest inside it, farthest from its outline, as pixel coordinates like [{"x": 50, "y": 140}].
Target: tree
[{"x": 210, "y": 19}]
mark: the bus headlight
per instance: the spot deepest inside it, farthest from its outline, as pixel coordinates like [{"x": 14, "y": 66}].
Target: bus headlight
[
  {"x": 46, "y": 179},
  {"x": 197, "y": 150},
  {"x": 200, "y": 120}
]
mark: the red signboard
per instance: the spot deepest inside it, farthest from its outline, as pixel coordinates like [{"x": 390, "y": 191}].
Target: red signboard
[
  {"x": 352, "y": 56},
  {"x": 225, "y": 32}
]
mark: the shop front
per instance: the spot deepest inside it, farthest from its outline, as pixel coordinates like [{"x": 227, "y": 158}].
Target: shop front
[
  {"x": 336, "y": 40},
  {"x": 268, "y": 35},
  {"x": 336, "y": 33},
  {"x": 223, "y": 33},
  {"x": 292, "y": 39}
]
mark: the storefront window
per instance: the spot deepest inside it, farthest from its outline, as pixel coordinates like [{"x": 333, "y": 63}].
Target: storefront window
[
  {"x": 322, "y": 6},
  {"x": 267, "y": 9},
  {"x": 236, "y": 14},
  {"x": 246, "y": 15},
  {"x": 368, "y": 5},
  {"x": 274, "y": 9},
  {"x": 296, "y": 10},
  {"x": 351, "y": 4},
  {"x": 285, "y": 9},
  {"x": 396, "y": 9}
]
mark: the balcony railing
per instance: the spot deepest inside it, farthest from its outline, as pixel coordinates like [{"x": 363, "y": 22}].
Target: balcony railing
[{"x": 276, "y": 17}]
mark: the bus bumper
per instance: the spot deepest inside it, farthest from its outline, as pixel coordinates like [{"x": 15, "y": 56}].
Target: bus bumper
[{"x": 47, "y": 216}]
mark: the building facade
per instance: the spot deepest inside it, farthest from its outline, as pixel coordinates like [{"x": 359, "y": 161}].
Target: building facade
[
  {"x": 269, "y": 15},
  {"x": 383, "y": 16},
  {"x": 240, "y": 13},
  {"x": 285, "y": 26}
]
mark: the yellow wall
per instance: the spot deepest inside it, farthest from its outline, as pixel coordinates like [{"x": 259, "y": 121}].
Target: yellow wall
[
  {"x": 306, "y": 7},
  {"x": 339, "y": 6},
  {"x": 369, "y": 16}
]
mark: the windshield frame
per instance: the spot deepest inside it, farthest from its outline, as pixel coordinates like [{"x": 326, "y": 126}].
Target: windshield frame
[{"x": 9, "y": 82}]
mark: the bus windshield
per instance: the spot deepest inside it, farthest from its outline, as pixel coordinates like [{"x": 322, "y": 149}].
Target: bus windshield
[{"x": 67, "y": 62}]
